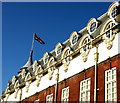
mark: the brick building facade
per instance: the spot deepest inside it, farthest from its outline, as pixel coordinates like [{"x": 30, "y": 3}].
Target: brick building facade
[{"x": 86, "y": 67}]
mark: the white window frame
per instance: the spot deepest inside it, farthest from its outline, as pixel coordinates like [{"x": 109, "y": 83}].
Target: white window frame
[
  {"x": 86, "y": 90},
  {"x": 46, "y": 59},
  {"x": 51, "y": 98},
  {"x": 91, "y": 21},
  {"x": 66, "y": 98},
  {"x": 109, "y": 81},
  {"x": 110, "y": 10},
  {"x": 59, "y": 50},
  {"x": 110, "y": 32},
  {"x": 74, "y": 40}
]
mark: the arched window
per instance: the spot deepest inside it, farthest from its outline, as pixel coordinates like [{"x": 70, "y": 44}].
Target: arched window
[
  {"x": 85, "y": 47},
  {"x": 112, "y": 11},
  {"x": 73, "y": 38},
  {"x": 46, "y": 58},
  {"x": 23, "y": 73},
  {"x": 92, "y": 25},
  {"x": 109, "y": 33},
  {"x": 58, "y": 49},
  {"x": 51, "y": 67},
  {"x": 66, "y": 58}
]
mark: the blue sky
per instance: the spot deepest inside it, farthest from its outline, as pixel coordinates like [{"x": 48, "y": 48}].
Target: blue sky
[{"x": 52, "y": 21}]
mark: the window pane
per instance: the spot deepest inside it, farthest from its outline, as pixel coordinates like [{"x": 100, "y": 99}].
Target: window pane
[
  {"x": 110, "y": 85},
  {"x": 93, "y": 27},
  {"x": 74, "y": 39},
  {"x": 85, "y": 90},
  {"x": 65, "y": 94}
]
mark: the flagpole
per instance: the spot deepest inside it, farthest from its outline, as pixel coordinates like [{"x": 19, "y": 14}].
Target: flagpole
[{"x": 32, "y": 42}]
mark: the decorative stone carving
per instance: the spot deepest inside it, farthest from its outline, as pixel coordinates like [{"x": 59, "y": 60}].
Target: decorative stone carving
[
  {"x": 16, "y": 92},
  {"x": 7, "y": 96},
  {"x": 28, "y": 85},
  {"x": 38, "y": 79},
  {"x": 20, "y": 95},
  {"x": 28, "y": 81},
  {"x": 50, "y": 72}
]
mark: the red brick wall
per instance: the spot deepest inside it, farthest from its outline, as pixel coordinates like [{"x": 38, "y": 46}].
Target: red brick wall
[{"x": 74, "y": 83}]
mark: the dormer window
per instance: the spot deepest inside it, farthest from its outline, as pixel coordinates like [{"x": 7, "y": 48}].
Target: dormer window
[
  {"x": 51, "y": 67},
  {"x": 92, "y": 25},
  {"x": 46, "y": 58},
  {"x": 110, "y": 32},
  {"x": 112, "y": 11},
  {"x": 58, "y": 49},
  {"x": 66, "y": 58},
  {"x": 35, "y": 65},
  {"x": 23, "y": 73},
  {"x": 85, "y": 47},
  {"x": 73, "y": 38}
]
